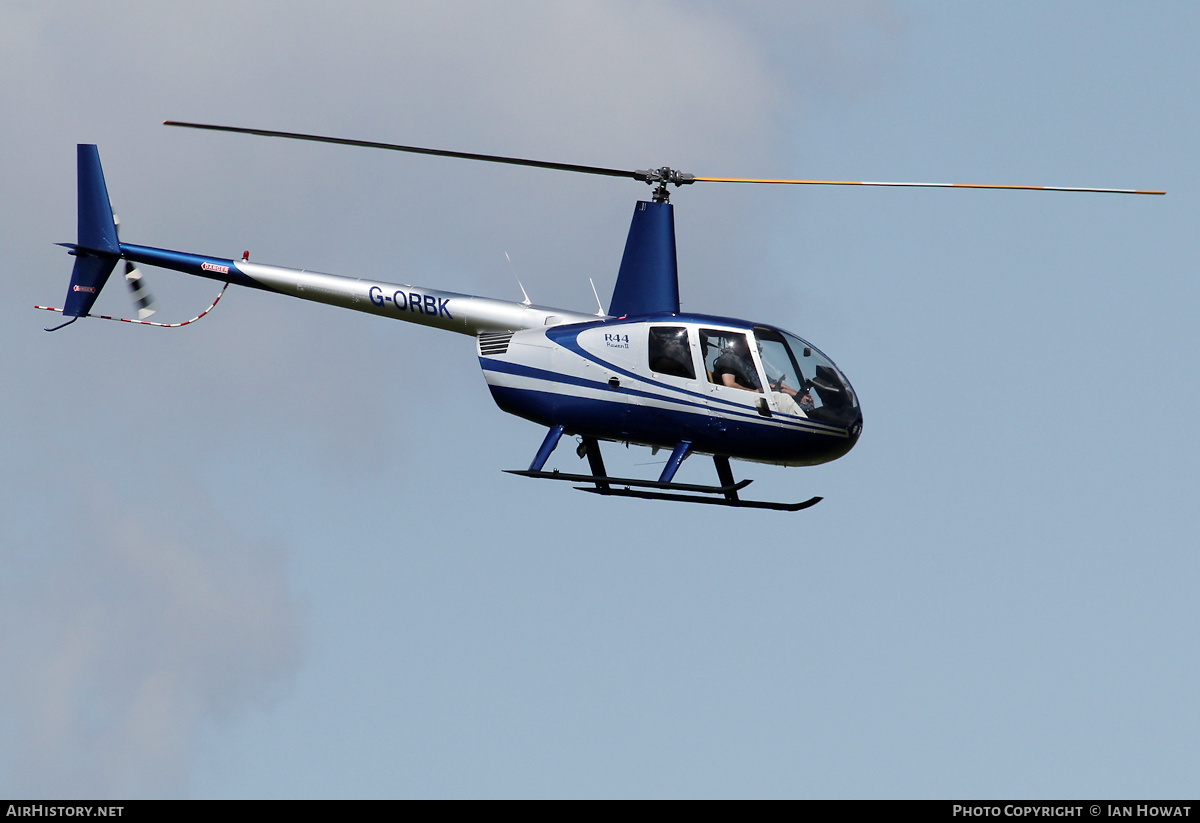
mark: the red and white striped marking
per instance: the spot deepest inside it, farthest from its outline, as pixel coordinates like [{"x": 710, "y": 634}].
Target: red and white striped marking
[{"x": 150, "y": 322}]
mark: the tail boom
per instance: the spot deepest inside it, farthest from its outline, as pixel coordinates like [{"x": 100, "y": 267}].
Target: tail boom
[
  {"x": 98, "y": 250},
  {"x": 462, "y": 313}
]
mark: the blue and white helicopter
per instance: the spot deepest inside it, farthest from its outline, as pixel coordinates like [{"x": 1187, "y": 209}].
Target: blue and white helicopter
[{"x": 644, "y": 373}]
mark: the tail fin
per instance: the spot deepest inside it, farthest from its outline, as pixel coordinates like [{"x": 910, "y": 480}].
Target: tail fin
[{"x": 97, "y": 249}]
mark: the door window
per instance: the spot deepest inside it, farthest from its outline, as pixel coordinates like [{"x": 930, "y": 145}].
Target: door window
[{"x": 670, "y": 352}]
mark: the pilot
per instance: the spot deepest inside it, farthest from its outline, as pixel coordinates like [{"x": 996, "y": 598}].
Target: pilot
[
  {"x": 792, "y": 401},
  {"x": 787, "y": 399},
  {"x": 735, "y": 369}
]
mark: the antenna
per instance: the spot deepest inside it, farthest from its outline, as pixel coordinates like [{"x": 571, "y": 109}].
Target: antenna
[
  {"x": 526, "y": 301},
  {"x": 599, "y": 305}
]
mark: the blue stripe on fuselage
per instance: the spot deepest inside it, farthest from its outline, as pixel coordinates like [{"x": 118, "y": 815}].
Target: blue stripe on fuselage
[
  {"x": 651, "y": 426},
  {"x": 671, "y": 394}
]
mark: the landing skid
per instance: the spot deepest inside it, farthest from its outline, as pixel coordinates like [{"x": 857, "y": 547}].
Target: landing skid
[
  {"x": 725, "y": 494},
  {"x": 712, "y": 501},
  {"x": 630, "y": 481}
]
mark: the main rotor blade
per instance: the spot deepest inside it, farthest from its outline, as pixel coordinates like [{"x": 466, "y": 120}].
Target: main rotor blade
[
  {"x": 664, "y": 175},
  {"x": 370, "y": 144},
  {"x": 918, "y": 185}
]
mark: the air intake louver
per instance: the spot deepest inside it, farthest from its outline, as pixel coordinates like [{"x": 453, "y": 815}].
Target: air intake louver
[{"x": 492, "y": 344}]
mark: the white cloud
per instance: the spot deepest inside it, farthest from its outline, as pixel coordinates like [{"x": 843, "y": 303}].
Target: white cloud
[{"x": 123, "y": 640}]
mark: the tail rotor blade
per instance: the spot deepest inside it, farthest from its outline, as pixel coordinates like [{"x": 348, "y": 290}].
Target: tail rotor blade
[
  {"x": 142, "y": 299},
  {"x": 141, "y": 294}
]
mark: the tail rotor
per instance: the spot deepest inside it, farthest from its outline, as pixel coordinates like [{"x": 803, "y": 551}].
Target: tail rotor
[
  {"x": 143, "y": 301},
  {"x": 98, "y": 251}
]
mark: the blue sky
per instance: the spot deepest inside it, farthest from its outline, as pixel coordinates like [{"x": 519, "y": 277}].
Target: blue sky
[{"x": 273, "y": 554}]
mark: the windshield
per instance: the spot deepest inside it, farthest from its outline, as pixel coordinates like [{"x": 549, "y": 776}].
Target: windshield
[{"x": 797, "y": 368}]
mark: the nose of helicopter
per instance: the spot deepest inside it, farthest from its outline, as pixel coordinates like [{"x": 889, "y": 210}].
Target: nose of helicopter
[
  {"x": 825, "y": 449},
  {"x": 855, "y": 430}
]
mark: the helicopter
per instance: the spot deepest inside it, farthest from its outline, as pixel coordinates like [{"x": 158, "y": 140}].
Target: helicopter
[{"x": 642, "y": 373}]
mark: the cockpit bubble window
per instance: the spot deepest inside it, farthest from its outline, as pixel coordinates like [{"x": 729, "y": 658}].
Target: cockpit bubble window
[
  {"x": 670, "y": 352},
  {"x": 781, "y": 371},
  {"x": 823, "y": 391},
  {"x": 727, "y": 359}
]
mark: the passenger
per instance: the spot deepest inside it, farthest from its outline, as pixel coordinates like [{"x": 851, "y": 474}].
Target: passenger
[{"x": 734, "y": 368}]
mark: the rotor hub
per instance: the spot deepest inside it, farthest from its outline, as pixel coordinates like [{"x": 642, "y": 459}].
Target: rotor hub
[{"x": 663, "y": 176}]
